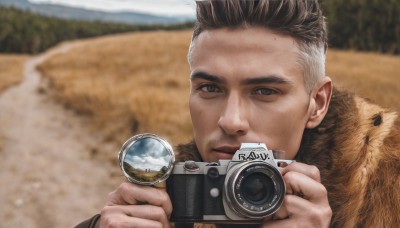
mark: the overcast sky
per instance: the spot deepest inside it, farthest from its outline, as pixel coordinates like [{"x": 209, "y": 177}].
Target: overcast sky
[
  {"x": 158, "y": 7},
  {"x": 148, "y": 154}
]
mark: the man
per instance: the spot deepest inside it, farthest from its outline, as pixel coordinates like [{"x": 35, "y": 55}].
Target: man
[{"x": 258, "y": 75}]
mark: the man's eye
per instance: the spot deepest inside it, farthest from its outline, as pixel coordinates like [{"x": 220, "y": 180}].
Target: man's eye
[
  {"x": 265, "y": 91},
  {"x": 209, "y": 89}
]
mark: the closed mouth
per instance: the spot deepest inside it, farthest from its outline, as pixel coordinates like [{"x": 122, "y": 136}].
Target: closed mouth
[{"x": 226, "y": 149}]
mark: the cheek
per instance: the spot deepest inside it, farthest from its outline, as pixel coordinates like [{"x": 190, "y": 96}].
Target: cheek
[
  {"x": 283, "y": 134},
  {"x": 204, "y": 114},
  {"x": 290, "y": 137},
  {"x": 201, "y": 118},
  {"x": 282, "y": 128},
  {"x": 203, "y": 124},
  {"x": 193, "y": 112}
]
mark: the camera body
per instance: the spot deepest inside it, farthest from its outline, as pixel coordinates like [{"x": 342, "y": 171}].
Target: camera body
[{"x": 246, "y": 189}]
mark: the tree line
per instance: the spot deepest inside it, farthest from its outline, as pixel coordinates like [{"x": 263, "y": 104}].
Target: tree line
[
  {"x": 25, "y": 32},
  {"x": 366, "y": 25}
]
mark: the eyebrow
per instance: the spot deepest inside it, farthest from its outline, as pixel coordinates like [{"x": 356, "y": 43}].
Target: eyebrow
[
  {"x": 270, "y": 79},
  {"x": 206, "y": 76}
]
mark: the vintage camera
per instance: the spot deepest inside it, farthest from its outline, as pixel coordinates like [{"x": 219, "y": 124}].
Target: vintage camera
[{"x": 246, "y": 189}]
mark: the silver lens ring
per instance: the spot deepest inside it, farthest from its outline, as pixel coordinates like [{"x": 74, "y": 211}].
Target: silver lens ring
[{"x": 245, "y": 206}]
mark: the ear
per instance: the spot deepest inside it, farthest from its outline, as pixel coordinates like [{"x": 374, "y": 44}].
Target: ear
[{"x": 319, "y": 104}]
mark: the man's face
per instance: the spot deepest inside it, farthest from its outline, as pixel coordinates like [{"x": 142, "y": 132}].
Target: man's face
[{"x": 246, "y": 86}]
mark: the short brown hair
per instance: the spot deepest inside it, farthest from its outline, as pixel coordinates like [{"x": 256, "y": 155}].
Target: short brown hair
[{"x": 301, "y": 19}]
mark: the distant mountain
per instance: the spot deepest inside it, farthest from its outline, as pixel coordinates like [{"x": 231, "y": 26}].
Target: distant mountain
[{"x": 66, "y": 12}]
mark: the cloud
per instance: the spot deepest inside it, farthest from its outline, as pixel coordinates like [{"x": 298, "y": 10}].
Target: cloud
[
  {"x": 148, "y": 154},
  {"x": 154, "y": 164},
  {"x": 158, "y": 7}
]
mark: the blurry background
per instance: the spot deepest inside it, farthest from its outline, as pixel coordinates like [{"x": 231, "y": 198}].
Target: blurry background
[{"x": 77, "y": 78}]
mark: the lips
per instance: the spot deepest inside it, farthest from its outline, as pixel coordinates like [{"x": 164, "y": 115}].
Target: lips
[
  {"x": 226, "y": 149},
  {"x": 225, "y": 152}
]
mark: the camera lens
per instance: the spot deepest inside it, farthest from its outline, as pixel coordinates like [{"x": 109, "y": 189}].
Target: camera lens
[
  {"x": 257, "y": 188},
  {"x": 254, "y": 189}
]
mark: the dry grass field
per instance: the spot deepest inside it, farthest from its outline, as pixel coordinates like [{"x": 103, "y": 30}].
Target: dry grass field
[
  {"x": 373, "y": 76},
  {"x": 139, "y": 82},
  {"x": 128, "y": 84},
  {"x": 11, "y": 70},
  {"x": 11, "y": 73}
]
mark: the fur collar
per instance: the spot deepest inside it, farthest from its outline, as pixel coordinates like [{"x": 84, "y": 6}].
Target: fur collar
[{"x": 356, "y": 149}]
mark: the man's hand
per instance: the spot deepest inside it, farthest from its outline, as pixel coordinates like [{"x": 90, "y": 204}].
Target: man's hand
[
  {"x": 131, "y": 205},
  {"x": 306, "y": 201}
]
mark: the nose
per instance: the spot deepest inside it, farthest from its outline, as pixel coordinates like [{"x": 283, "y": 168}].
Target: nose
[{"x": 233, "y": 119}]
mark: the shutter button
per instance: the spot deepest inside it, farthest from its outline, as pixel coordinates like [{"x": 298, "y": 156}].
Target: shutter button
[{"x": 191, "y": 166}]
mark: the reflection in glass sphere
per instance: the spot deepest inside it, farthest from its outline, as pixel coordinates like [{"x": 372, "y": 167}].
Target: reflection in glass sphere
[{"x": 146, "y": 159}]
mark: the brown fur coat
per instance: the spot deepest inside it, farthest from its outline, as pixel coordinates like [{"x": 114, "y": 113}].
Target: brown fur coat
[{"x": 357, "y": 149}]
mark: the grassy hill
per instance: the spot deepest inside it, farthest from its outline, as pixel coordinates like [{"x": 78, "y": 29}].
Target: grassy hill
[
  {"x": 373, "y": 76},
  {"x": 11, "y": 70},
  {"x": 139, "y": 82},
  {"x": 128, "y": 84}
]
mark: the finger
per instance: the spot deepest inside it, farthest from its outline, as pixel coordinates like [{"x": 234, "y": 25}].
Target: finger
[
  {"x": 306, "y": 187},
  {"x": 124, "y": 221},
  {"x": 292, "y": 205},
  {"x": 139, "y": 223},
  {"x": 132, "y": 194},
  {"x": 308, "y": 170},
  {"x": 300, "y": 212},
  {"x": 148, "y": 212},
  {"x": 281, "y": 213},
  {"x": 278, "y": 224}
]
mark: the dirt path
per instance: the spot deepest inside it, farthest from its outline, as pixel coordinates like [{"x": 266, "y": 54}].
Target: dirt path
[{"x": 47, "y": 177}]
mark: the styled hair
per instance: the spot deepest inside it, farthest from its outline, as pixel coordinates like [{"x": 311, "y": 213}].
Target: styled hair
[{"x": 300, "y": 19}]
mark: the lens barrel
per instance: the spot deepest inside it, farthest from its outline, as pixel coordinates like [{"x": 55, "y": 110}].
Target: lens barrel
[{"x": 254, "y": 189}]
